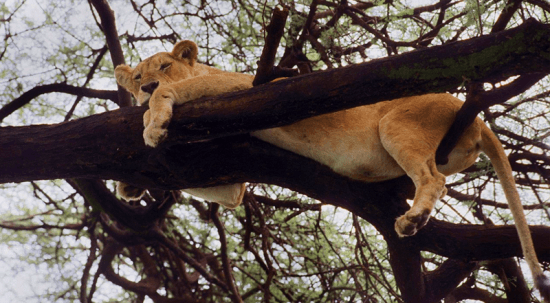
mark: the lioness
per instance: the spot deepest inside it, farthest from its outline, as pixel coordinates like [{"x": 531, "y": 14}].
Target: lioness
[{"x": 369, "y": 143}]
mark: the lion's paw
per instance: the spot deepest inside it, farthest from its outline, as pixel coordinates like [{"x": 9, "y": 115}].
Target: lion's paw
[
  {"x": 411, "y": 222},
  {"x": 154, "y": 135},
  {"x": 146, "y": 118},
  {"x": 129, "y": 192}
]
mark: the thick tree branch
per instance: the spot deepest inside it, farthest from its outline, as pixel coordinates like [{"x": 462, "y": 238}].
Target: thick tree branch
[
  {"x": 477, "y": 242},
  {"x": 109, "y": 253},
  {"x": 466, "y": 292},
  {"x": 139, "y": 219},
  {"x": 406, "y": 264},
  {"x": 110, "y": 145}
]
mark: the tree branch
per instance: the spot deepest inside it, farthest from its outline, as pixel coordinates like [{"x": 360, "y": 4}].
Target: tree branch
[
  {"x": 109, "y": 145},
  {"x": 275, "y": 31},
  {"x": 109, "y": 252},
  {"x": 406, "y": 264},
  {"x": 446, "y": 278},
  {"x": 466, "y": 292},
  {"x": 477, "y": 101},
  {"x": 89, "y": 77},
  {"x": 36, "y": 91},
  {"x": 101, "y": 199},
  {"x": 108, "y": 26},
  {"x": 512, "y": 278},
  {"x": 228, "y": 273},
  {"x": 509, "y": 10}
]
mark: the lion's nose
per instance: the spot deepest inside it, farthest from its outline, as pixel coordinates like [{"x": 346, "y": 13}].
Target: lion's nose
[{"x": 150, "y": 87}]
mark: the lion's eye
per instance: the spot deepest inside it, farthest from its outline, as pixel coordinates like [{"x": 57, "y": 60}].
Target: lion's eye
[
  {"x": 137, "y": 78},
  {"x": 165, "y": 66}
]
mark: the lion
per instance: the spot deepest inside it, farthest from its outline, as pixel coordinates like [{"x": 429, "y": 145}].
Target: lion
[{"x": 370, "y": 143}]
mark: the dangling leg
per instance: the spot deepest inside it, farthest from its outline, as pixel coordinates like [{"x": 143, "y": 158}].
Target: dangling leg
[
  {"x": 430, "y": 186},
  {"x": 413, "y": 144}
]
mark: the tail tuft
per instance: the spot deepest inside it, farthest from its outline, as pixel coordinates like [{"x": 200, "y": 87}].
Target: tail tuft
[{"x": 543, "y": 285}]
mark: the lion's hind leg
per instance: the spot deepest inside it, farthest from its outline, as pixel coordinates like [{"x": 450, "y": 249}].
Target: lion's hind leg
[
  {"x": 412, "y": 145},
  {"x": 430, "y": 186}
]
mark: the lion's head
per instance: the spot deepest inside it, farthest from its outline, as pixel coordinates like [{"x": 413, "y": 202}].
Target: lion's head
[{"x": 159, "y": 69}]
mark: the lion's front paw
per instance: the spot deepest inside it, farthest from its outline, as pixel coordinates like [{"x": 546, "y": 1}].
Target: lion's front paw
[
  {"x": 412, "y": 221},
  {"x": 154, "y": 135},
  {"x": 146, "y": 118}
]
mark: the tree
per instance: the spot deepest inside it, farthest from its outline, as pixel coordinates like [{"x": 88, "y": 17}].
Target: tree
[{"x": 281, "y": 245}]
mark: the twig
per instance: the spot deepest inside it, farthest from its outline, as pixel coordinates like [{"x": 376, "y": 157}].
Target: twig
[
  {"x": 84, "y": 298},
  {"x": 161, "y": 238},
  {"x": 89, "y": 77},
  {"x": 38, "y": 90}
]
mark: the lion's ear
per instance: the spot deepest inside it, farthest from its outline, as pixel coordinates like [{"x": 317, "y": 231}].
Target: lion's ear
[
  {"x": 186, "y": 50},
  {"x": 123, "y": 75}
]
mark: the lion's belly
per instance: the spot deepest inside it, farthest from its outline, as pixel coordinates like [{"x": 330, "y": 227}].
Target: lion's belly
[{"x": 348, "y": 142}]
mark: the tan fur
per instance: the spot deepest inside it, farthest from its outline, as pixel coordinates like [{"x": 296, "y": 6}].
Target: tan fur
[
  {"x": 369, "y": 143},
  {"x": 180, "y": 79}
]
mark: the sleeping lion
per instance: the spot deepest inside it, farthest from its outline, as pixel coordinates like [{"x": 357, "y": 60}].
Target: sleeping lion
[{"x": 369, "y": 143}]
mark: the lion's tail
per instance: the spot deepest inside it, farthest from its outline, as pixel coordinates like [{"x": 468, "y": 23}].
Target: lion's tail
[{"x": 492, "y": 147}]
